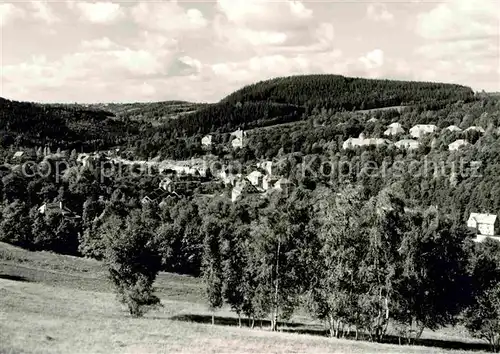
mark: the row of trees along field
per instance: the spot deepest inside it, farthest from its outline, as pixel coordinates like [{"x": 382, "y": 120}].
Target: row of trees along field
[{"x": 363, "y": 266}]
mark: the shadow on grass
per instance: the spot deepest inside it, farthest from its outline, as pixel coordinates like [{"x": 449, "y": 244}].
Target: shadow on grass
[
  {"x": 13, "y": 277},
  {"x": 318, "y": 330}
]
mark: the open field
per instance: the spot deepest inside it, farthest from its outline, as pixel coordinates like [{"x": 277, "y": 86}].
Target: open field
[{"x": 58, "y": 304}]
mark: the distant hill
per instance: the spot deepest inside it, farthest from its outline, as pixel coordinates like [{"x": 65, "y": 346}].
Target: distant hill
[
  {"x": 150, "y": 111},
  {"x": 63, "y": 126},
  {"x": 339, "y": 92},
  {"x": 287, "y": 99}
]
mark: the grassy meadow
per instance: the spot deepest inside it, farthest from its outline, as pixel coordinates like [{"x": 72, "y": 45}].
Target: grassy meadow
[{"x": 60, "y": 304}]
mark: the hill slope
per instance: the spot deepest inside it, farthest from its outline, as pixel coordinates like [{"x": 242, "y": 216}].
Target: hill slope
[
  {"x": 339, "y": 92},
  {"x": 64, "y": 126}
]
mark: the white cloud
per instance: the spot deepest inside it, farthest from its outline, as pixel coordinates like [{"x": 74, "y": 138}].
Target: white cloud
[
  {"x": 271, "y": 27},
  {"x": 457, "y": 19},
  {"x": 99, "y": 44},
  {"x": 373, "y": 59},
  {"x": 461, "y": 42},
  {"x": 98, "y": 12},
  {"x": 264, "y": 14},
  {"x": 43, "y": 11},
  {"x": 379, "y": 12},
  {"x": 168, "y": 17},
  {"x": 9, "y": 12}
]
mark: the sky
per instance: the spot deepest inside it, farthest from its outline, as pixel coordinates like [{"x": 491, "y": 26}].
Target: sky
[{"x": 128, "y": 51}]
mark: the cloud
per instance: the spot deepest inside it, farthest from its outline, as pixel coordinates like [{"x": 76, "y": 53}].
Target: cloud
[
  {"x": 264, "y": 14},
  {"x": 43, "y": 11},
  {"x": 168, "y": 17},
  {"x": 458, "y": 19},
  {"x": 271, "y": 27},
  {"x": 373, "y": 59},
  {"x": 461, "y": 42},
  {"x": 378, "y": 12},
  {"x": 99, "y": 44},
  {"x": 9, "y": 12},
  {"x": 98, "y": 12}
]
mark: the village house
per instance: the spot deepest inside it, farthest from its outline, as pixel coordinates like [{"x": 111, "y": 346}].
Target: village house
[
  {"x": 256, "y": 178},
  {"x": 57, "y": 208},
  {"x": 239, "y": 136},
  {"x": 266, "y": 166},
  {"x": 206, "y": 141},
  {"x": 477, "y": 129},
  {"x": 166, "y": 184},
  {"x": 229, "y": 178},
  {"x": 394, "y": 129},
  {"x": 362, "y": 141},
  {"x": 457, "y": 145},
  {"x": 372, "y": 120},
  {"x": 283, "y": 184},
  {"x": 156, "y": 197},
  {"x": 484, "y": 225},
  {"x": 453, "y": 128},
  {"x": 243, "y": 188},
  {"x": 408, "y": 144},
  {"x": 18, "y": 154},
  {"x": 420, "y": 130}
]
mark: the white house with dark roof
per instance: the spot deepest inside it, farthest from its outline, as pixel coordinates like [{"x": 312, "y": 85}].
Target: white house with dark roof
[
  {"x": 484, "y": 224},
  {"x": 243, "y": 187},
  {"x": 457, "y": 145},
  {"x": 420, "y": 130}
]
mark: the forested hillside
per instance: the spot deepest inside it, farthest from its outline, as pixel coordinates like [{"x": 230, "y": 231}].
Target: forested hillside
[
  {"x": 61, "y": 126},
  {"x": 346, "y": 93}
]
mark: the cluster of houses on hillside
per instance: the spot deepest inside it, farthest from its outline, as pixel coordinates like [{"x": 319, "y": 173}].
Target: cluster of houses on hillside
[
  {"x": 416, "y": 132},
  {"x": 260, "y": 181},
  {"x": 237, "y": 141}
]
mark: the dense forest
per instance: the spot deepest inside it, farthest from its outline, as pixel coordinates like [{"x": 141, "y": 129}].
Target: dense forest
[
  {"x": 345, "y": 93},
  {"x": 25, "y": 124}
]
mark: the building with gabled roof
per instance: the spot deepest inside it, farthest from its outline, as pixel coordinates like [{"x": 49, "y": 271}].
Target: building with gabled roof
[
  {"x": 484, "y": 224},
  {"x": 57, "y": 208},
  {"x": 256, "y": 178},
  {"x": 243, "y": 187},
  {"x": 239, "y": 136},
  {"x": 458, "y": 144},
  {"x": 18, "y": 154},
  {"x": 453, "y": 128},
  {"x": 352, "y": 143},
  {"x": 421, "y": 129},
  {"x": 408, "y": 144},
  {"x": 394, "y": 129}
]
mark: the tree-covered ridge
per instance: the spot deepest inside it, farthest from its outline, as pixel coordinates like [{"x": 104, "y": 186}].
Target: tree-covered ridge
[
  {"x": 61, "y": 126},
  {"x": 224, "y": 117},
  {"x": 339, "y": 92}
]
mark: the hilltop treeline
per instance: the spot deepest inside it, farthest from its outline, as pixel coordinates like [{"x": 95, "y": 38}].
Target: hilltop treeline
[
  {"x": 346, "y": 93},
  {"x": 31, "y": 124}
]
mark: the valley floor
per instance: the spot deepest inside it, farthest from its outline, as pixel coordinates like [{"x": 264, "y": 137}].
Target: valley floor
[{"x": 58, "y": 304}]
